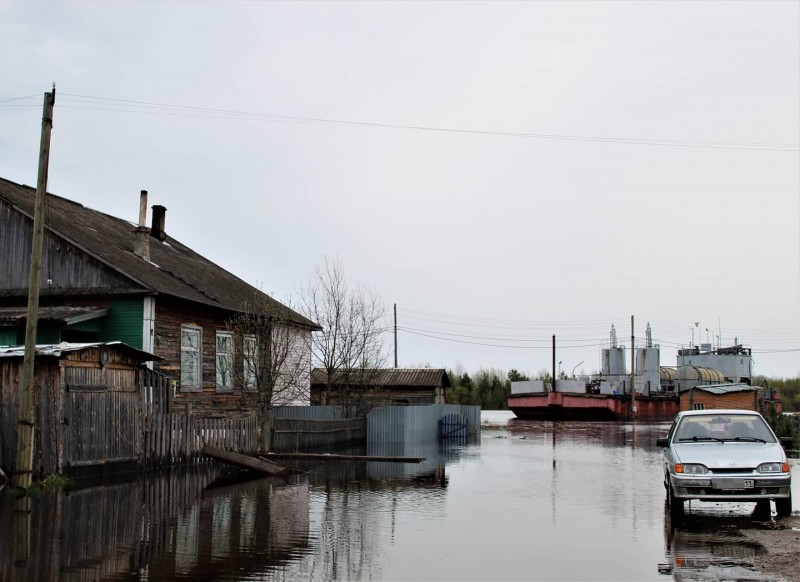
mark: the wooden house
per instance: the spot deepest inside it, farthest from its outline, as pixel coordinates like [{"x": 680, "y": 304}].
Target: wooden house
[
  {"x": 733, "y": 396},
  {"x": 108, "y": 279},
  {"x": 389, "y": 386}
]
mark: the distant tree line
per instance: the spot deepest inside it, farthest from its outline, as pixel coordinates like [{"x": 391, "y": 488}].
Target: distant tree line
[
  {"x": 488, "y": 388},
  {"x": 788, "y": 387}
]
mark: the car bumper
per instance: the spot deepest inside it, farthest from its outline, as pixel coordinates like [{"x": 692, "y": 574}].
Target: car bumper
[{"x": 732, "y": 488}]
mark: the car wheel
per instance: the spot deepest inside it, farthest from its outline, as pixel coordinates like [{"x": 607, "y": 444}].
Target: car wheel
[
  {"x": 784, "y": 506},
  {"x": 762, "y": 510},
  {"x": 675, "y": 505}
]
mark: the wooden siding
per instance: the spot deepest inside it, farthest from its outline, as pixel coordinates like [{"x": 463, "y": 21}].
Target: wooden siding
[
  {"x": 170, "y": 316},
  {"x": 63, "y": 263},
  {"x": 47, "y": 410},
  {"x": 90, "y": 414}
]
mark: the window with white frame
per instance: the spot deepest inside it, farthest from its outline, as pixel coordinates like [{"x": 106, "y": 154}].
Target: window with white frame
[
  {"x": 191, "y": 352},
  {"x": 250, "y": 361},
  {"x": 698, "y": 406},
  {"x": 224, "y": 361}
]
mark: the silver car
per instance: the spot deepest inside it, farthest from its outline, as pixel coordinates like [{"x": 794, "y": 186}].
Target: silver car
[{"x": 725, "y": 455}]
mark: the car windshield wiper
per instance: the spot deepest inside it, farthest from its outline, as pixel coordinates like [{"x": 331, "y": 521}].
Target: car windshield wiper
[
  {"x": 745, "y": 439},
  {"x": 697, "y": 439}
]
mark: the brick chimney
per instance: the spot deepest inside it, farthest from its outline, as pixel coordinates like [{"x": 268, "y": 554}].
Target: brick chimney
[
  {"x": 141, "y": 240},
  {"x": 159, "y": 218}
]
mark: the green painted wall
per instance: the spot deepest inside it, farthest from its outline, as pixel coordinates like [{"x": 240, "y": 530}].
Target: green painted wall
[
  {"x": 8, "y": 336},
  {"x": 125, "y": 322}
]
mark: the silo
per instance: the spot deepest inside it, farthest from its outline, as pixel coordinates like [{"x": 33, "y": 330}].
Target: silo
[
  {"x": 648, "y": 370},
  {"x": 614, "y": 357},
  {"x": 648, "y": 366}
]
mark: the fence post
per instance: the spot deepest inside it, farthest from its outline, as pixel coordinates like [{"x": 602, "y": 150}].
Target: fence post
[{"x": 187, "y": 412}]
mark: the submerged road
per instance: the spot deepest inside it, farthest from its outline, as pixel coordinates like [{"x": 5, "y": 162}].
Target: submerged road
[{"x": 532, "y": 501}]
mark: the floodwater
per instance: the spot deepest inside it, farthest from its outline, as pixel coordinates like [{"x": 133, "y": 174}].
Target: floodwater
[{"x": 531, "y": 501}]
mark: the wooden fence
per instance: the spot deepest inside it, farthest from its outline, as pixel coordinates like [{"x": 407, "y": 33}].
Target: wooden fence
[{"x": 179, "y": 438}]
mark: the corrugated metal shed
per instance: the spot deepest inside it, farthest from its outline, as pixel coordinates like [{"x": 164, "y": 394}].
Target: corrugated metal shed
[
  {"x": 408, "y": 377},
  {"x": 173, "y": 269}
]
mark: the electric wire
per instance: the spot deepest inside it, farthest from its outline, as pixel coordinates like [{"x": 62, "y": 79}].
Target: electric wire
[{"x": 151, "y": 107}]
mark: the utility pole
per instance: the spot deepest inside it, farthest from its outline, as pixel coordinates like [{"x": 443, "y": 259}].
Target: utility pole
[
  {"x": 24, "y": 466},
  {"x": 395, "y": 335},
  {"x": 553, "y": 387},
  {"x": 633, "y": 372}
]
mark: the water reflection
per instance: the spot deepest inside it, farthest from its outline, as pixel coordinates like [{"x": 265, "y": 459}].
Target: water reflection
[
  {"x": 709, "y": 545},
  {"x": 533, "y": 501},
  {"x": 207, "y": 523}
]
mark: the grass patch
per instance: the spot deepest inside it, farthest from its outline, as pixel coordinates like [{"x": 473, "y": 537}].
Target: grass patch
[{"x": 55, "y": 482}]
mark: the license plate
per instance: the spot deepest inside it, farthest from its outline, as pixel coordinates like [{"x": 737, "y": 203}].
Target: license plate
[{"x": 734, "y": 483}]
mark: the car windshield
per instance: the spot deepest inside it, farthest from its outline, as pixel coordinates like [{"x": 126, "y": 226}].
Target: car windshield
[{"x": 724, "y": 427}]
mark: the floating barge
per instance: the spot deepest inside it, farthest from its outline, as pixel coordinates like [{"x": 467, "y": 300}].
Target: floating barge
[
  {"x": 608, "y": 395},
  {"x": 576, "y": 406}
]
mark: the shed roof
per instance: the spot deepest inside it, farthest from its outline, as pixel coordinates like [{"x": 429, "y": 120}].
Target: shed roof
[
  {"x": 409, "y": 377},
  {"x": 62, "y": 313},
  {"x": 719, "y": 389},
  {"x": 56, "y": 350},
  {"x": 173, "y": 269}
]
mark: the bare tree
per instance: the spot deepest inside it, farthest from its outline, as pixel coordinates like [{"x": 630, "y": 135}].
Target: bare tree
[
  {"x": 350, "y": 347},
  {"x": 269, "y": 359}
]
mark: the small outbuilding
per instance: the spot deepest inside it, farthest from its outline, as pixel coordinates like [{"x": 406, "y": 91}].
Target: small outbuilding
[
  {"x": 394, "y": 386},
  {"x": 732, "y": 396},
  {"x": 88, "y": 400}
]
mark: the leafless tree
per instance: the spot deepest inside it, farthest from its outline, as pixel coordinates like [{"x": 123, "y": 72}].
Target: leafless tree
[
  {"x": 350, "y": 347},
  {"x": 269, "y": 359}
]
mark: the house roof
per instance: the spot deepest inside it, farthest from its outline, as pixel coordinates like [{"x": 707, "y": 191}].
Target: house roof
[
  {"x": 173, "y": 269},
  {"x": 55, "y": 350},
  {"x": 720, "y": 389},
  {"x": 63, "y": 314},
  {"x": 412, "y": 378}
]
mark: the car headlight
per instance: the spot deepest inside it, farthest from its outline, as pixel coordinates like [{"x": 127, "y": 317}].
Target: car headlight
[
  {"x": 691, "y": 469},
  {"x": 773, "y": 468}
]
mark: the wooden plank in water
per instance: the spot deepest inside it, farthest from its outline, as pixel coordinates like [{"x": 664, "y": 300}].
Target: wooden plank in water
[
  {"x": 332, "y": 457},
  {"x": 247, "y": 462}
]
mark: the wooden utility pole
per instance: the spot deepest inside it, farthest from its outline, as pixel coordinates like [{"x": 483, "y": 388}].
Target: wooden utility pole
[
  {"x": 395, "y": 335},
  {"x": 24, "y": 466},
  {"x": 553, "y": 387},
  {"x": 633, "y": 372}
]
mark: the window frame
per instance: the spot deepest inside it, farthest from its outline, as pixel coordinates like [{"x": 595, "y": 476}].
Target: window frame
[
  {"x": 225, "y": 355},
  {"x": 184, "y": 351},
  {"x": 249, "y": 377}
]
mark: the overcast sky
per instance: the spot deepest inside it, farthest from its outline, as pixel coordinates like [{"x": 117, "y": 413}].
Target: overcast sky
[{"x": 502, "y": 172}]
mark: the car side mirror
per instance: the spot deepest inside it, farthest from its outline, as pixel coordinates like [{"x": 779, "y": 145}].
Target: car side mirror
[
  {"x": 786, "y": 442},
  {"x": 662, "y": 442}
]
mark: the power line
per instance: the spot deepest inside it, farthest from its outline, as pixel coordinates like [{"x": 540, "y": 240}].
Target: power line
[
  {"x": 546, "y": 347},
  {"x": 148, "y": 106}
]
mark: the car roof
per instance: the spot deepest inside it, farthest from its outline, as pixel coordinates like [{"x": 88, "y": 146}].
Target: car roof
[{"x": 715, "y": 411}]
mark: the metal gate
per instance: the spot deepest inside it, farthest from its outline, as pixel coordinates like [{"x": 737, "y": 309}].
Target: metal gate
[{"x": 453, "y": 427}]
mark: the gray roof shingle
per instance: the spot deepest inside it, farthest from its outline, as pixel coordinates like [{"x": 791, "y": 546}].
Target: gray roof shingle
[{"x": 174, "y": 269}]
